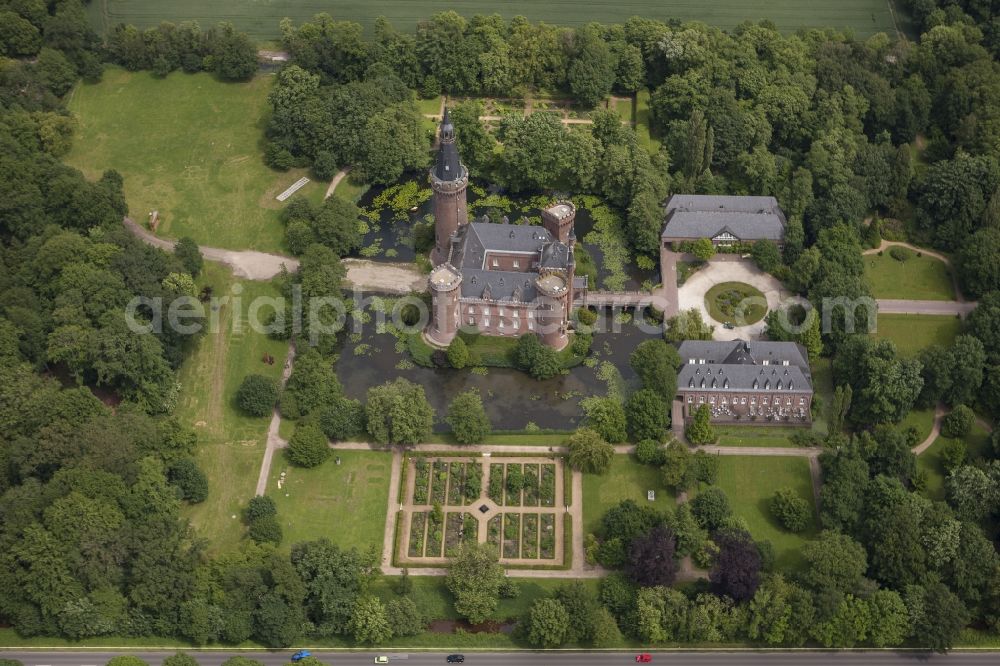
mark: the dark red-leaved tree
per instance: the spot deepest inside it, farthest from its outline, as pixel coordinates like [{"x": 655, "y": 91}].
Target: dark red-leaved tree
[
  {"x": 651, "y": 558},
  {"x": 736, "y": 573}
]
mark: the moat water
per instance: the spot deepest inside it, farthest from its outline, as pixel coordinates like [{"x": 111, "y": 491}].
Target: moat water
[{"x": 512, "y": 399}]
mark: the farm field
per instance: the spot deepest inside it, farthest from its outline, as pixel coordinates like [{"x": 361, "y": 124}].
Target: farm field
[
  {"x": 749, "y": 483},
  {"x": 344, "y": 503},
  {"x": 260, "y": 19},
  {"x": 199, "y": 163},
  {"x": 230, "y": 444},
  {"x": 917, "y": 278},
  {"x": 912, "y": 333}
]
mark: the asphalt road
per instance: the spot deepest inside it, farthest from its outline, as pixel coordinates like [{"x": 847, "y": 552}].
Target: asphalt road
[{"x": 567, "y": 658}]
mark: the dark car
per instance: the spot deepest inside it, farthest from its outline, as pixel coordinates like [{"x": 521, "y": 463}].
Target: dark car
[
  {"x": 728, "y": 325},
  {"x": 301, "y": 654},
  {"x": 456, "y": 658}
]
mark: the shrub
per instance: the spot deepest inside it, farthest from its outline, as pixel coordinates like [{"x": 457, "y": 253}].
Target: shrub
[
  {"x": 588, "y": 452},
  {"x": 266, "y": 530},
  {"x": 259, "y": 507},
  {"x": 900, "y": 253},
  {"x": 790, "y": 510},
  {"x": 191, "y": 482},
  {"x": 650, "y": 452},
  {"x": 581, "y": 344},
  {"x": 343, "y": 420},
  {"x": 952, "y": 454},
  {"x": 458, "y": 354},
  {"x": 958, "y": 423},
  {"x": 257, "y": 394},
  {"x": 586, "y": 316},
  {"x": 467, "y": 418},
  {"x": 711, "y": 508},
  {"x": 700, "y": 430},
  {"x": 308, "y": 447}
]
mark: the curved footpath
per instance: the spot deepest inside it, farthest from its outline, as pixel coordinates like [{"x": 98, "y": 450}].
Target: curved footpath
[{"x": 362, "y": 274}]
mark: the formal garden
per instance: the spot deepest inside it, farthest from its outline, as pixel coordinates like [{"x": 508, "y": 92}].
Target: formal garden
[
  {"x": 514, "y": 505},
  {"x": 736, "y": 303}
]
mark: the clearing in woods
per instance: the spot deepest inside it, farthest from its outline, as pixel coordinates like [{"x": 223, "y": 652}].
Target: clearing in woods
[
  {"x": 190, "y": 147},
  {"x": 260, "y": 19},
  {"x": 230, "y": 444}
]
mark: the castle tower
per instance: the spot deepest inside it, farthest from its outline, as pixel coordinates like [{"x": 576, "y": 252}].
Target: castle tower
[
  {"x": 558, "y": 220},
  {"x": 449, "y": 178},
  {"x": 445, "y": 285},
  {"x": 551, "y": 309}
]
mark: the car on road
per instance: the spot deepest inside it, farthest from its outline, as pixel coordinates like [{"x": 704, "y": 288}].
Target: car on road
[
  {"x": 643, "y": 658},
  {"x": 301, "y": 654},
  {"x": 456, "y": 658},
  {"x": 728, "y": 326},
  {"x": 381, "y": 659}
]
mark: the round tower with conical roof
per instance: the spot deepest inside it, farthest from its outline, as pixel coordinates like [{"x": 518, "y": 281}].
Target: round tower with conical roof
[{"x": 449, "y": 179}]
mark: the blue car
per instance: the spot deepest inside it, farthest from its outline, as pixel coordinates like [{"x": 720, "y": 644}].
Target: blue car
[{"x": 301, "y": 654}]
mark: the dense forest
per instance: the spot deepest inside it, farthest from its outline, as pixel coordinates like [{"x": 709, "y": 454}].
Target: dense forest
[{"x": 904, "y": 134}]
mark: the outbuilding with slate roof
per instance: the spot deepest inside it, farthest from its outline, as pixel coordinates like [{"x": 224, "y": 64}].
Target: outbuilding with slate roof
[
  {"x": 725, "y": 220},
  {"x": 741, "y": 381}
]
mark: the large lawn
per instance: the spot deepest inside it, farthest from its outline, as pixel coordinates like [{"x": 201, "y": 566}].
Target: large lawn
[
  {"x": 345, "y": 503},
  {"x": 261, "y": 19},
  {"x": 750, "y": 482},
  {"x": 977, "y": 444},
  {"x": 189, "y": 147},
  {"x": 627, "y": 479},
  {"x": 918, "y": 278},
  {"x": 230, "y": 444},
  {"x": 912, "y": 333}
]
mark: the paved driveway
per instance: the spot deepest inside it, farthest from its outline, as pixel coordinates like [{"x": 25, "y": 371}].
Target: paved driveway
[{"x": 728, "y": 269}]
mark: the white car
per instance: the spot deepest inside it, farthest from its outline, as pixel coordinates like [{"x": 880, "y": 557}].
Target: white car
[{"x": 381, "y": 659}]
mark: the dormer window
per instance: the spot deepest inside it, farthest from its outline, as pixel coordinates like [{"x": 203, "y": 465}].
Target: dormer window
[{"x": 766, "y": 362}]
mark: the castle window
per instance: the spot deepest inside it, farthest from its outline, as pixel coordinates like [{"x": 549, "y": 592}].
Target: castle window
[
  {"x": 788, "y": 401},
  {"x": 802, "y": 401},
  {"x": 531, "y": 325},
  {"x": 472, "y": 310},
  {"x": 753, "y": 401},
  {"x": 701, "y": 400},
  {"x": 765, "y": 401},
  {"x": 472, "y": 321},
  {"x": 690, "y": 399},
  {"x": 501, "y": 323},
  {"x": 495, "y": 262},
  {"x": 765, "y": 362},
  {"x": 743, "y": 401},
  {"x": 517, "y": 264},
  {"x": 712, "y": 400}
]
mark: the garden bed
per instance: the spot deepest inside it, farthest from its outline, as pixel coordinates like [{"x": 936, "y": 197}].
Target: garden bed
[
  {"x": 418, "y": 524},
  {"x": 440, "y": 482},
  {"x": 453, "y": 533},
  {"x": 456, "y": 484},
  {"x": 421, "y": 481},
  {"x": 514, "y": 484},
  {"x": 547, "y": 485},
  {"x": 493, "y": 532},
  {"x": 473, "y": 482},
  {"x": 529, "y": 535},
  {"x": 496, "y": 483},
  {"x": 435, "y": 533},
  {"x": 512, "y": 535},
  {"x": 547, "y": 536},
  {"x": 531, "y": 485}
]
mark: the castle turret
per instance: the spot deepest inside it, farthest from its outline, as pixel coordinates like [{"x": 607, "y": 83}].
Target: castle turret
[
  {"x": 551, "y": 309},
  {"x": 558, "y": 220},
  {"x": 445, "y": 285},
  {"x": 449, "y": 179}
]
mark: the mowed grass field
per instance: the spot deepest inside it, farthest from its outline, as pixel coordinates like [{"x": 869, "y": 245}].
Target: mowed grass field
[
  {"x": 190, "y": 147},
  {"x": 912, "y": 333},
  {"x": 917, "y": 278},
  {"x": 627, "y": 479},
  {"x": 345, "y": 503},
  {"x": 260, "y": 19},
  {"x": 230, "y": 444},
  {"x": 749, "y": 483}
]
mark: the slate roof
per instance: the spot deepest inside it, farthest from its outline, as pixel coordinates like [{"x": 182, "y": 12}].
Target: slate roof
[
  {"x": 448, "y": 166},
  {"x": 476, "y": 239},
  {"x": 739, "y": 366},
  {"x": 706, "y": 216}
]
